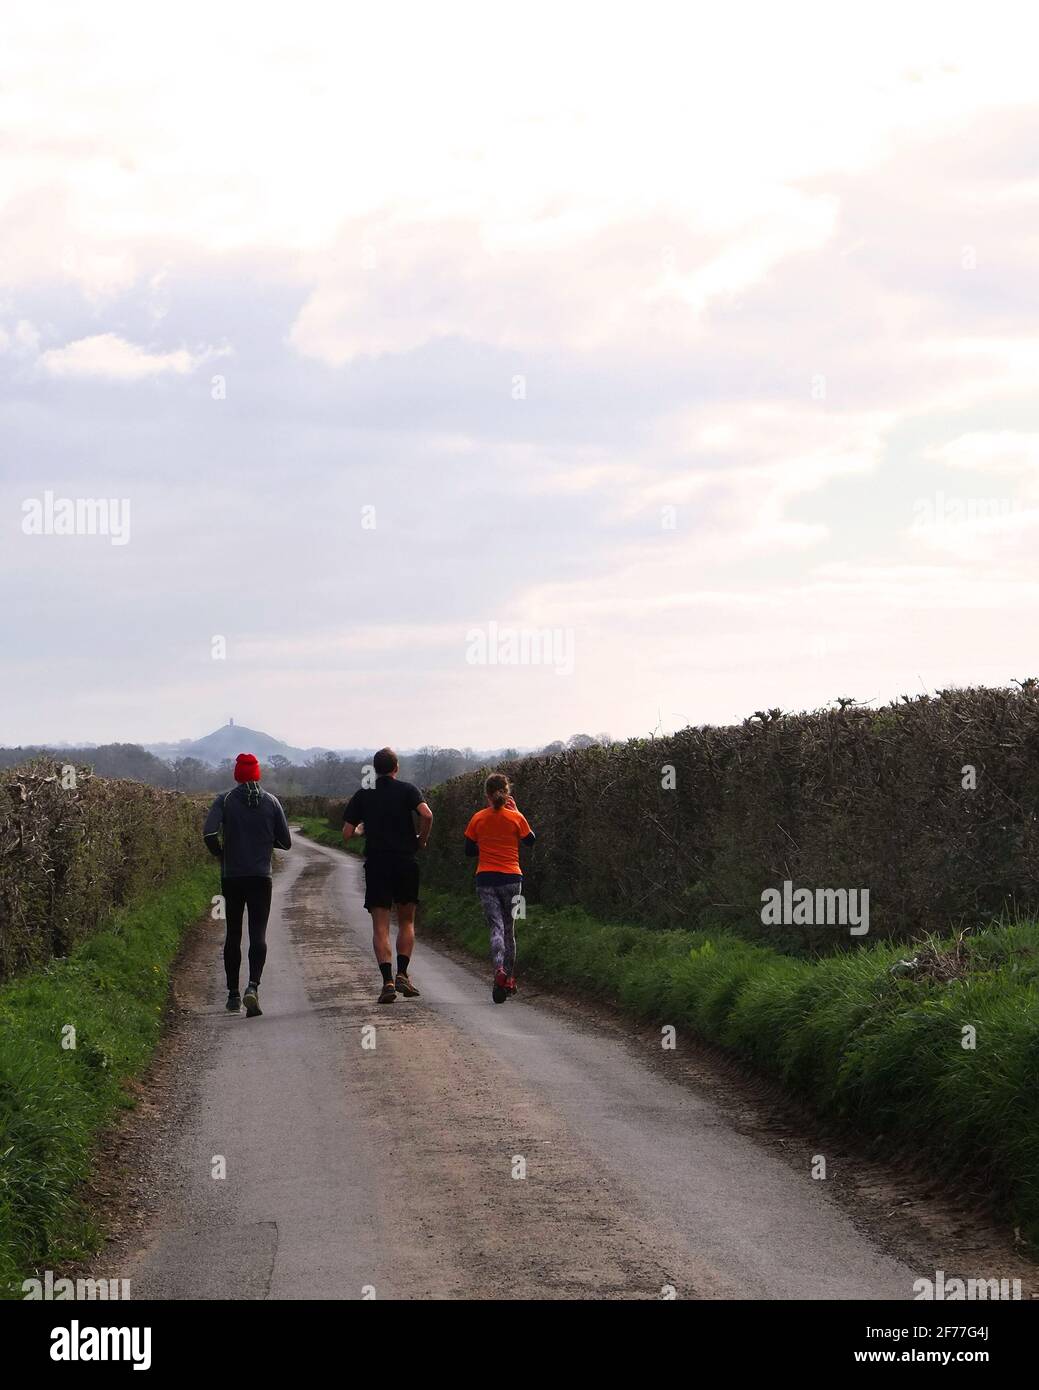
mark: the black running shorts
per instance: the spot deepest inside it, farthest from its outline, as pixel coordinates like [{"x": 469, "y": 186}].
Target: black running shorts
[{"x": 389, "y": 879}]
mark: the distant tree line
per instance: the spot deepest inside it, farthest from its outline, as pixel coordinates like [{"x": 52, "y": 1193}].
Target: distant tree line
[{"x": 326, "y": 774}]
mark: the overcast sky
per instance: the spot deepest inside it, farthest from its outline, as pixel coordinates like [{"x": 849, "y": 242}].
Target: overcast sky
[{"x": 705, "y": 344}]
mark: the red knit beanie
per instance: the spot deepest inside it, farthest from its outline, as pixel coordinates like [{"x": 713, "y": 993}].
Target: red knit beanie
[{"x": 246, "y": 768}]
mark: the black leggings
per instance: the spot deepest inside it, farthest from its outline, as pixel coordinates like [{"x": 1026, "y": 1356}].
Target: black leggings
[{"x": 254, "y": 893}]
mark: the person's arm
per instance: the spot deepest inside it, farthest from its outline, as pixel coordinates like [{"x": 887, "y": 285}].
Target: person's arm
[
  {"x": 282, "y": 837},
  {"x": 211, "y": 829},
  {"x": 352, "y": 817},
  {"x": 472, "y": 849},
  {"x": 527, "y": 836},
  {"x": 425, "y": 823}
]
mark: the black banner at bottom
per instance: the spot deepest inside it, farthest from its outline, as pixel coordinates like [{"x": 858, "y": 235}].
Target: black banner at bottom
[{"x": 174, "y": 1338}]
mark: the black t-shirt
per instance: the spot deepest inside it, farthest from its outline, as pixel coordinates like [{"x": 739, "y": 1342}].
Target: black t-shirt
[{"x": 386, "y": 810}]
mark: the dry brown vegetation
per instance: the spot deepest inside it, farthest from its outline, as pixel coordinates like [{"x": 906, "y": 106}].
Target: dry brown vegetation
[{"x": 70, "y": 855}]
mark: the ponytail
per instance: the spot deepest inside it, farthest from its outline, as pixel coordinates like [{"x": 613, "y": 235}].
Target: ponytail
[{"x": 497, "y": 789}]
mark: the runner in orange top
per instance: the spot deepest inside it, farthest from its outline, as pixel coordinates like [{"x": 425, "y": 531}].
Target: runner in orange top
[{"x": 493, "y": 837}]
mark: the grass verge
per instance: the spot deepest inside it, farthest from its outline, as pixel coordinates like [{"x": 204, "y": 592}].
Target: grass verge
[
  {"x": 888, "y": 1053},
  {"x": 55, "y": 1097},
  {"x": 325, "y": 833}
]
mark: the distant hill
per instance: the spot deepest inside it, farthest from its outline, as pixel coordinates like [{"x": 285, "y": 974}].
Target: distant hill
[{"x": 228, "y": 742}]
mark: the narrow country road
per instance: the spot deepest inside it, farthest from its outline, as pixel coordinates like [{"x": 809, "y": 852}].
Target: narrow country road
[{"x": 391, "y": 1169}]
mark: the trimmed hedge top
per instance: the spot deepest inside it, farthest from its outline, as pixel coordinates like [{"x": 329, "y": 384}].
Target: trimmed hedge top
[
  {"x": 74, "y": 846},
  {"x": 928, "y": 803}
]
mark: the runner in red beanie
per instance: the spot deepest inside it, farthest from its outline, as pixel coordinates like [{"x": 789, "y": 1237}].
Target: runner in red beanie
[{"x": 243, "y": 828}]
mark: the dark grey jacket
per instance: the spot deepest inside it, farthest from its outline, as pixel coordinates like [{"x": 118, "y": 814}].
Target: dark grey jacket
[{"x": 254, "y": 825}]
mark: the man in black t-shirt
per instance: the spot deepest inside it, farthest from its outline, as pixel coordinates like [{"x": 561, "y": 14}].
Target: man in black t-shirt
[{"x": 389, "y": 812}]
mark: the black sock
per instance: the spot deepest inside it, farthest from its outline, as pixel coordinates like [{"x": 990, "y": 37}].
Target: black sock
[
  {"x": 387, "y": 971},
  {"x": 402, "y": 964}
]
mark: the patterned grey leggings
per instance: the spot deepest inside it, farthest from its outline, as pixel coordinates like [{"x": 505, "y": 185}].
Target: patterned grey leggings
[{"x": 497, "y": 908}]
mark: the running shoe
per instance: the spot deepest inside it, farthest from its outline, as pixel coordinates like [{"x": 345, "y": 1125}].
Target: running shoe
[
  {"x": 252, "y": 1002},
  {"x": 234, "y": 1001},
  {"x": 511, "y": 985},
  {"x": 404, "y": 986},
  {"x": 388, "y": 994},
  {"x": 500, "y": 988}
]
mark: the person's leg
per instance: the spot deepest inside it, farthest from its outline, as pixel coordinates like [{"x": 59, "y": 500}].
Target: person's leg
[
  {"x": 405, "y": 898},
  {"x": 259, "y": 903},
  {"x": 234, "y": 907},
  {"x": 378, "y": 899},
  {"x": 405, "y": 949},
  {"x": 381, "y": 939},
  {"x": 508, "y": 892},
  {"x": 491, "y": 903},
  {"x": 383, "y": 954},
  {"x": 405, "y": 935}
]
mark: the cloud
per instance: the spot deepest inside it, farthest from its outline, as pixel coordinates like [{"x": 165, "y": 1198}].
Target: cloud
[
  {"x": 791, "y": 329},
  {"x": 389, "y": 285},
  {"x": 110, "y": 357},
  {"x": 23, "y": 340},
  {"x": 1013, "y": 453}
]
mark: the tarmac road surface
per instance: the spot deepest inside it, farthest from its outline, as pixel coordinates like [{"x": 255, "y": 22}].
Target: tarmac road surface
[{"x": 474, "y": 1152}]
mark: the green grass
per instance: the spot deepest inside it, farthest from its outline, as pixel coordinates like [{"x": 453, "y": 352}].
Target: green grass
[
  {"x": 879, "y": 1052},
  {"x": 54, "y": 1100},
  {"x": 325, "y": 833}
]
